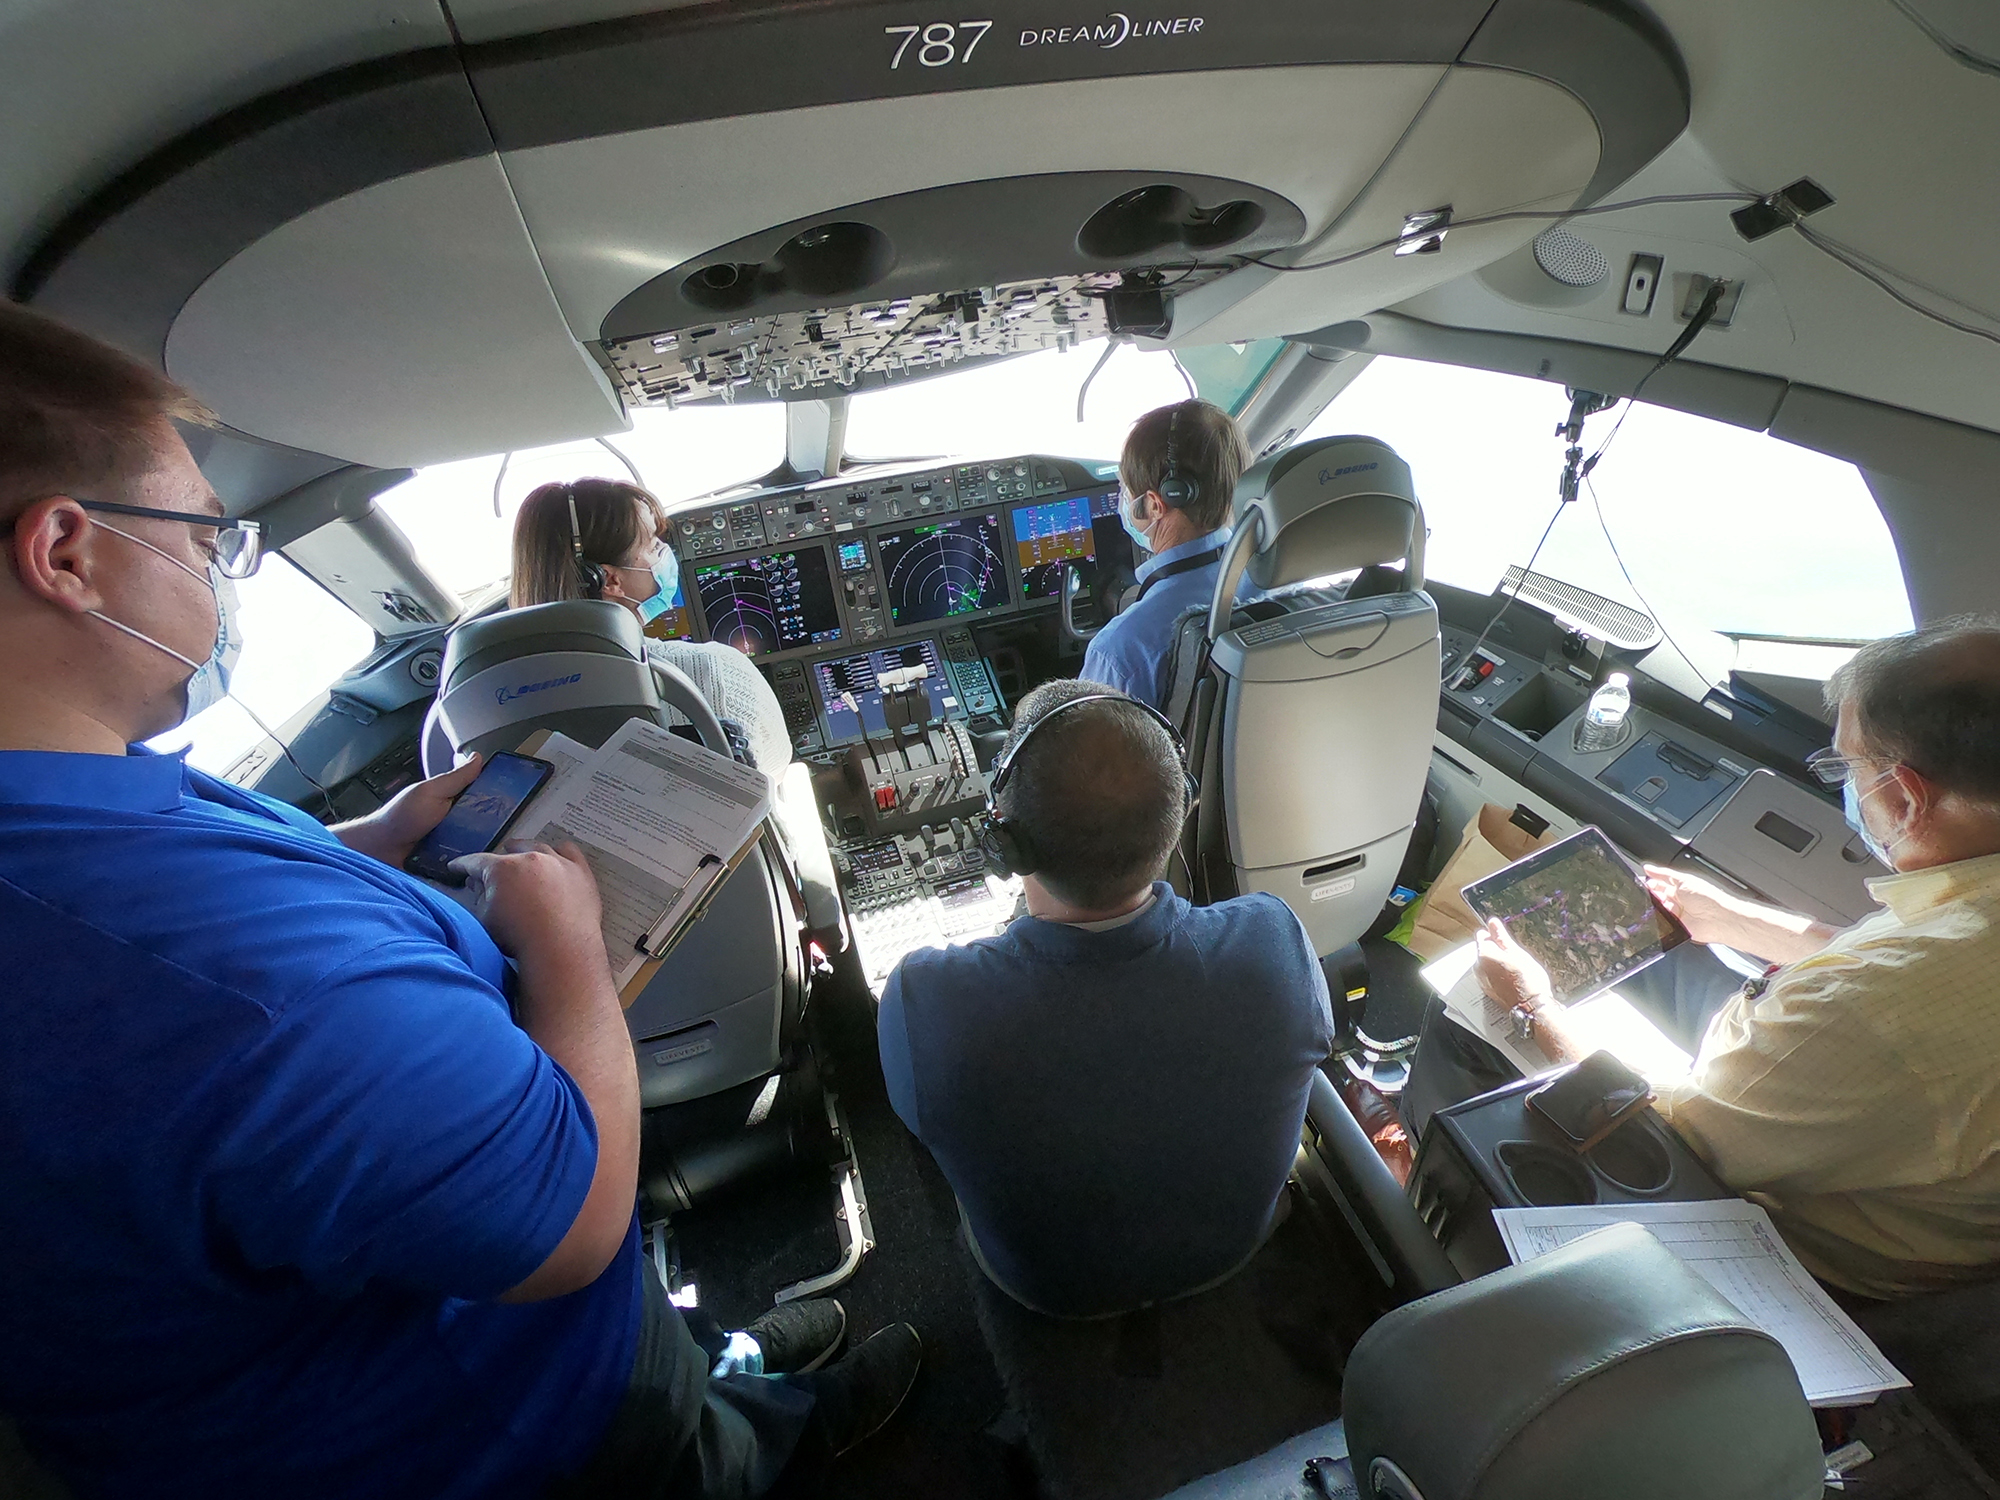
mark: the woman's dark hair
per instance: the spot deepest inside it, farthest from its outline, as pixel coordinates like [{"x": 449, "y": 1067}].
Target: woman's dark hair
[{"x": 612, "y": 517}]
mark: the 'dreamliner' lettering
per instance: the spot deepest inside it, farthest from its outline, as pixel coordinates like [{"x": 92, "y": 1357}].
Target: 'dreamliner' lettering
[
  {"x": 508, "y": 695},
  {"x": 1114, "y": 30}
]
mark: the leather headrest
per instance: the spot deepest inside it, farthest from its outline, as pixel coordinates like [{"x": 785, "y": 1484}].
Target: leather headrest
[
  {"x": 1604, "y": 1368},
  {"x": 1329, "y": 506}
]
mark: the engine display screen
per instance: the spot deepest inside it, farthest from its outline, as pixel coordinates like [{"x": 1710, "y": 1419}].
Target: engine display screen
[
  {"x": 1059, "y": 532},
  {"x": 773, "y": 602},
  {"x": 851, "y": 687},
  {"x": 943, "y": 569}
]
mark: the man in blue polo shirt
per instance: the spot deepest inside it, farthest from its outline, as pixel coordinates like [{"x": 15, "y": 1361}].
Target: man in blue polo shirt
[
  {"x": 307, "y": 1190},
  {"x": 1178, "y": 474},
  {"x": 1114, "y": 1086}
]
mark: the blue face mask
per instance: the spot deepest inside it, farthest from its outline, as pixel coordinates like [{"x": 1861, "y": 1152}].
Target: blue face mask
[
  {"x": 1850, "y": 804},
  {"x": 667, "y": 575},
  {"x": 1132, "y": 527}
]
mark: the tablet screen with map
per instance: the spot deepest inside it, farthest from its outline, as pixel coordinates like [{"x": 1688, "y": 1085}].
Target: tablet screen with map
[{"x": 1582, "y": 909}]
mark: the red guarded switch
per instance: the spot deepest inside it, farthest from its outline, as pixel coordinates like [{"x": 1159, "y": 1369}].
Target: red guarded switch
[{"x": 885, "y": 799}]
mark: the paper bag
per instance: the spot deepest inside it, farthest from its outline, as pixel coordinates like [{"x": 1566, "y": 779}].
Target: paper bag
[{"x": 1494, "y": 840}]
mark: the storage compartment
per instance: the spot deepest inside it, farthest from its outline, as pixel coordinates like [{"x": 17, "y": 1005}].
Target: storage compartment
[{"x": 1539, "y": 704}]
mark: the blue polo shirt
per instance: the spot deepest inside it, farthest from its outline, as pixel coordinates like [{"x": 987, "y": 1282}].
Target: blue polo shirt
[
  {"x": 1117, "y": 1111},
  {"x": 1134, "y": 649},
  {"x": 272, "y": 1146}
]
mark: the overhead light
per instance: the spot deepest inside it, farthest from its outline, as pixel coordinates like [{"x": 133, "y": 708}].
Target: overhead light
[{"x": 1423, "y": 233}]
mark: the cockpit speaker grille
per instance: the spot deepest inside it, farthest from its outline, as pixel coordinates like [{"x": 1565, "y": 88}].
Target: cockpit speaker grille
[{"x": 1570, "y": 260}]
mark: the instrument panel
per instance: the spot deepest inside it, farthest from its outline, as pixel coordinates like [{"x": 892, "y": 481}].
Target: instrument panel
[{"x": 850, "y": 563}]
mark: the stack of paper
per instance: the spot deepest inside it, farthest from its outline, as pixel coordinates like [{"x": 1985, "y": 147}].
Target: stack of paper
[
  {"x": 1607, "y": 1022},
  {"x": 661, "y": 821},
  {"x": 1735, "y": 1248}
]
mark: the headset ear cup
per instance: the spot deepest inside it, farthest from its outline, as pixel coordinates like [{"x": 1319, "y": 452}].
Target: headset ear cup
[
  {"x": 1006, "y": 848},
  {"x": 592, "y": 578}
]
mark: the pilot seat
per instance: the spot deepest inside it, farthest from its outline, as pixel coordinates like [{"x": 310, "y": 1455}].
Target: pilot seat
[
  {"x": 1309, "y": 714},
  {"x": 728, "y": 1081}
]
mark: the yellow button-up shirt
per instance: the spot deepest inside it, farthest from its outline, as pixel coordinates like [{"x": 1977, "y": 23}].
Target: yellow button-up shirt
[{"x": 1858, "y": 1097}]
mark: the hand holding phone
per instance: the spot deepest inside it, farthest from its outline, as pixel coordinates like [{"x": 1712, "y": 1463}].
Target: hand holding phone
[
  {"x": 480, "y": 815},
  {"x": 1591, "y": 1100}
]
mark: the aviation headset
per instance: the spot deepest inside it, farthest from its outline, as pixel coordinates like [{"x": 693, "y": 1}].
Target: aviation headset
[
  {"x": 1006, "y": 844},
  {"x": 588, "y": 573},
  {"x": 1176, "y": 488}
]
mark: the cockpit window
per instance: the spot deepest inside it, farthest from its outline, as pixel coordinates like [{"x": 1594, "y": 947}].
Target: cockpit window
[
  {"x": 297, "y": 639},
  {"x": 1721, "y": 528},
  {"x": 447, "y": 510},
  {"x": 1023, "y": 405}
]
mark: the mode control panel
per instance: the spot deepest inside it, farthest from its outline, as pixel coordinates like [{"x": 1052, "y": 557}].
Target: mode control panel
[
  {"x": 725, "y": 528},
  {"x": 789, "y": 516},
  {"x": 1010, "y": 479},
  {"x": 859, "y": 591}
]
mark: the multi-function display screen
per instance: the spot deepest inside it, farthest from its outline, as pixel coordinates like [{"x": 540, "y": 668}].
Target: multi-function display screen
[
  {"x": 943, "y": 568},
  {"x": 773, "y": 602},
  {"x": 851, "y": 687},
  {"x": 1049, "y": 536}
]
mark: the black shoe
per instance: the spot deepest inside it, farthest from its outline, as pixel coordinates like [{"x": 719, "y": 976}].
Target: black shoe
[
  {"x": 800, "y": 1336},
  {"x": 858, "y": 1396}
]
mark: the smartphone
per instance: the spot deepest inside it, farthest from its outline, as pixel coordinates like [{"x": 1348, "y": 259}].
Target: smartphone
[
  {"x": 1592, "y": 1099},
  {"x": 480, "y": 815}
]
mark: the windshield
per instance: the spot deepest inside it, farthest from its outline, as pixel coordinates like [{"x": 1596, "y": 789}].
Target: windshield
[
  {"x": 1719, "y": 528},
  {"x": 1012, "y": 406},
  {"x": 447, "y": 510},
  {"x": 297, "y": 639}
]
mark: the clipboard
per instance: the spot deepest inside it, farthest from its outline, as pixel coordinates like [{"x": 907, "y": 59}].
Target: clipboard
[{"x": 659, "y": 947}]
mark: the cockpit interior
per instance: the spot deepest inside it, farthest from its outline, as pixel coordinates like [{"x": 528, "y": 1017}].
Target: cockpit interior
[{"x": 868, "y": 297}]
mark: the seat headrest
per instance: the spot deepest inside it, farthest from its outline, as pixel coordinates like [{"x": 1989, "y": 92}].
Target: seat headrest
[
  {"x": 1604, "y": 1368},
  {"x": 1328, "y": 506},
  {"x": 579, "y": 665},
  {"x": 568, "y": 625}
]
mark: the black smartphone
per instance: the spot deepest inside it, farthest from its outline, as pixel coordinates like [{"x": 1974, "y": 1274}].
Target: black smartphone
[
  {"x": 480, "y": 815},
  {"x": 1592, "y": 1099}
]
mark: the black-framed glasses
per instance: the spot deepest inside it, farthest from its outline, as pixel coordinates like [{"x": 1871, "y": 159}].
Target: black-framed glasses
[
  {"x": 239, "y": 545},
  {"x": 1830, "y": 768}
]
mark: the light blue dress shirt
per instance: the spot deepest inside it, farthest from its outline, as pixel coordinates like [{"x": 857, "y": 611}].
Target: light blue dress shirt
[{"x": 1132, "y": 651}]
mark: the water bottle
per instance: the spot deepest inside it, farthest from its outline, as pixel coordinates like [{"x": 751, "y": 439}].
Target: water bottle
[{"x": 1604, "y": 721}]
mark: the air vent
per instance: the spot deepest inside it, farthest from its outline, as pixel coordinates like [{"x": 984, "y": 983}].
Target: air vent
[
  {"x": 1607, "y": 619},
  {"x": 1570, "y": 260}
]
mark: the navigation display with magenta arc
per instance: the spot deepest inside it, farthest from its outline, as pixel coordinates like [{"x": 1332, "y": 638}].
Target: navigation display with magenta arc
[
  {"x": 944, "y": 568},
  {"x": 773, "y": 602}
]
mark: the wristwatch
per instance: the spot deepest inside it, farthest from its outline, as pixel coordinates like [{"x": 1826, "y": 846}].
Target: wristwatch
[{"x": 1523, "y": 1017}]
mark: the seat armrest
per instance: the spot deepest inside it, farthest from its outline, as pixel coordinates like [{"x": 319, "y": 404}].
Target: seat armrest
[
  {"x": 1406, "y": 1256},
  {"x": 797, "y": 817}
]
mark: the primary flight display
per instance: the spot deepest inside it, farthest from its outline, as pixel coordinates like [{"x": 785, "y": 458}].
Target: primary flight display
[{"x": 1049, "y": 536}]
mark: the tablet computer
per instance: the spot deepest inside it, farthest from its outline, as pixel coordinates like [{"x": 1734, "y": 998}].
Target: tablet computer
[{"x": 1583, "y": 910}]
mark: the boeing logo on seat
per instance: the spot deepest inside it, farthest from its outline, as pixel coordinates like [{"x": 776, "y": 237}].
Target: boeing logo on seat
[
  {"x": 508, "y": 695},
  {"x": 1328, "y": 478},
  {"x": 1114, "y": 30}
]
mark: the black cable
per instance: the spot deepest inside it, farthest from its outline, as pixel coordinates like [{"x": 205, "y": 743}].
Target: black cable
[
  {"x": 1852, "y": 261},
  {"x": 1703, "y": 315},
  {"x": 270, "y": 734},
  {"x": 1597, "y": 504},
  {"x": 1550, "y": 214},
  {"x": 1508, "y": 602}
]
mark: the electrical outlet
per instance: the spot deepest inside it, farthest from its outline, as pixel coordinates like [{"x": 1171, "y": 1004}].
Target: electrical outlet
[{"x": 1642, "y": 282}]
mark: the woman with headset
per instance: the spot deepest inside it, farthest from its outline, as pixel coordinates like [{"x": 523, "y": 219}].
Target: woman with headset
[{"x": 605, "y": 539}]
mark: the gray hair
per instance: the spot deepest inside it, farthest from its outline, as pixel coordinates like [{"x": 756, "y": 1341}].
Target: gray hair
[
  {"x": 1931, "y": 700},
  {"x": 1099, "y": 794}
]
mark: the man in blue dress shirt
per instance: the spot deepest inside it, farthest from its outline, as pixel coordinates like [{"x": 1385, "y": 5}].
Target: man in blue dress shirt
[
  {"x": 307, "y": 1190},
  {"x": 1178, "y": 474},
  {"x": 1114, "y": 1086}
]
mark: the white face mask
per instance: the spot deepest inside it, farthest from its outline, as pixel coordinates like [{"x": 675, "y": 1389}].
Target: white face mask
[
  {"x": 1139, "y": 537},
  {"x": 210, "y": 683}
]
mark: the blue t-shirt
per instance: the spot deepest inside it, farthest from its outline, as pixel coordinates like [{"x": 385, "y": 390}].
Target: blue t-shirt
[
  {"x": 1133, "y": 650},
  {"x": 1117, "y": 1111},
  {"x": 272, "y": 1145}
]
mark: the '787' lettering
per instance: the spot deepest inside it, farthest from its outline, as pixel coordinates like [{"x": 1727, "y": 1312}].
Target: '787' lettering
[{"x": 938, "y": 43}]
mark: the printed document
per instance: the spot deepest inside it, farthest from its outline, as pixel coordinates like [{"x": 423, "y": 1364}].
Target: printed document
[
  {"x": 1735, "y": 1248},
  {"x": 659, "y": 819}
]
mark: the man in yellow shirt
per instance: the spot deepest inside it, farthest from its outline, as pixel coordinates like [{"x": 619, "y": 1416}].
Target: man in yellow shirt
[{"x": 1855, "y": 1090}]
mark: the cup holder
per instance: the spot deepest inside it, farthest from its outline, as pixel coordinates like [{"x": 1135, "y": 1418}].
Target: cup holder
[
  {"x": 1634, "y": 1158},
  {"x": 1544, "y": 1176}
]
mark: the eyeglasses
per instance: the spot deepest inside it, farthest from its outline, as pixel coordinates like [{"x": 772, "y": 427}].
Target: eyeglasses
[
  {"x": 1830, "y": 768},
  {"x": 239, "y": 545}
]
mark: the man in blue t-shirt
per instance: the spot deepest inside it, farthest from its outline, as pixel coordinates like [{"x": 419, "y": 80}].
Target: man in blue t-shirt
[
  {"x": 1178, "y": 476},
  {"x": 1114, "y": 1087},
  {"x": 307, "y": 1190}
]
